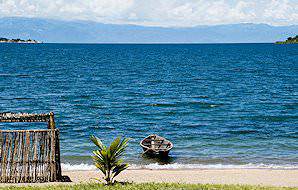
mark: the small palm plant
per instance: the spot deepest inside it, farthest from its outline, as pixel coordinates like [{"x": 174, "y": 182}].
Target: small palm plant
[{"x": 108, "y": 159}]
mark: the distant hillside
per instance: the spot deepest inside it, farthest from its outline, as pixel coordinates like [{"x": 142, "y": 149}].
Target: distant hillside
[
  {"x": 290, "y": 40},
  {"x": 48, "y": 30}
]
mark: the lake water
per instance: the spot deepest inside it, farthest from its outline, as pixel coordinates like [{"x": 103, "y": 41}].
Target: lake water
[{"x": 222, "y": 105}]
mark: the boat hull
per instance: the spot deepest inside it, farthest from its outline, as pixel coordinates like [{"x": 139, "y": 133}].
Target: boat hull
[
  {"x": 156, "y": 146},
  {"x": 162, "y": 154}
]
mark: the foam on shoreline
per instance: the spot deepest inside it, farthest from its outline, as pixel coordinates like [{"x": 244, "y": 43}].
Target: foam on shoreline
[{"x": 156, "y": 166}]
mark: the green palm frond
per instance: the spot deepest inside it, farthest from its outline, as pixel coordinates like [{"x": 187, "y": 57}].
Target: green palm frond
[
  {"x": 97, "y": 142},
  {"x": 118, "y": 169},
  {"x": 108, "y": 159}
]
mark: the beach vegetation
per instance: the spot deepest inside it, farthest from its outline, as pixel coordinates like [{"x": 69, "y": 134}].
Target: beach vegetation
[{"x": 108, "y": 159}]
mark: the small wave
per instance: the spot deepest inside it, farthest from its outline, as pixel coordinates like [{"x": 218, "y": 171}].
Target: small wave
[
  {"x": 278, "y": 118},
  {"x": 77, "y": 167},
  {"x": 15, "y": 75},
  {"x": 6, "y": 75},
  {"x": 202, "y": 104},
  {"x": 243, "y": 132},
  {"x": 213, "y": 166},
  {"x": 151, "y": 95},
  {"x": 183, "y": 104},
  {"x": 23, "y": 98},
  {"x": 23, "y": 76},
  {"x": 163, "y": 105},
  {"x": 156, "y": 166}
]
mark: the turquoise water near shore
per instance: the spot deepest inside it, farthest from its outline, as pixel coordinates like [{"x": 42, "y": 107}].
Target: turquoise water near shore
[{"x": 222, "y": 105}]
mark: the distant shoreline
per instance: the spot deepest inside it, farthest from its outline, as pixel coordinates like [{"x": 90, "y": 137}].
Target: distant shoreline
[
  {"x": 19, "y": 41},
  {"x": 290, "y": 40}
]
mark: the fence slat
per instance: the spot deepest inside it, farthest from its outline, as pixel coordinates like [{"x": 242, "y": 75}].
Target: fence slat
[
  {"x": 28, "y": 156},
  {"x": 15, "y": 157},
  {"x": 4, "y": 158},
  {"x": 1, "y": 156},
  {"x": 35, "y": 156}
]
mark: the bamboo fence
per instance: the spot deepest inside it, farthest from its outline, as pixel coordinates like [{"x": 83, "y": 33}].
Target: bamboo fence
[{"x": 29, "y": 155}]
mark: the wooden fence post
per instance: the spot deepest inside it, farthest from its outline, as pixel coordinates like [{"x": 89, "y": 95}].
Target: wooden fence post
[
  {"x": 57, "y": 147},
  {"x": 51, "y": 121}
]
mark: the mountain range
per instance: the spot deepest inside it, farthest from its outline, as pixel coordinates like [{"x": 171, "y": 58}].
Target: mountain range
[{"x": 59, "y": 31}]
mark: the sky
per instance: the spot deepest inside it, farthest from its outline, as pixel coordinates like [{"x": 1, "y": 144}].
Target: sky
[{"x": 166, "y": 13}]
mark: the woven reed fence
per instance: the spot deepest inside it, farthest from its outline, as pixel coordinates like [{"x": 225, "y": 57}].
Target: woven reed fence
[{"x": 29, "y": 155}]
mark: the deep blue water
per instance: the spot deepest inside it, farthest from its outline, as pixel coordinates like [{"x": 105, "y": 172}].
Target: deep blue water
[{"x": 219, "y": 104}]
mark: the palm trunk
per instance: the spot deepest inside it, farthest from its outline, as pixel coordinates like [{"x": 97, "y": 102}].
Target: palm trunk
[{"x": 108, "y": 178}]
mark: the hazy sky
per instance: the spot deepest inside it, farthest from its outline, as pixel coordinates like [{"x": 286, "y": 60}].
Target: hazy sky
[{"x": 158, "y": 12}]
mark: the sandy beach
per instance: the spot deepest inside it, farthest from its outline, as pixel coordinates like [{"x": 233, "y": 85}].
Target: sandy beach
[
  {"x": 263, "y": 177},
  {"x": 225, "y": 176}
]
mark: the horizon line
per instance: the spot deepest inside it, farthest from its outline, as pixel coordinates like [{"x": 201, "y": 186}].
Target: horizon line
[{"x": 149, "y": 43}]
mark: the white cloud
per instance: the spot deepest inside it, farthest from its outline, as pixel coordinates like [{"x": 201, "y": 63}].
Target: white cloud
[{"x": 158, "y": 12}]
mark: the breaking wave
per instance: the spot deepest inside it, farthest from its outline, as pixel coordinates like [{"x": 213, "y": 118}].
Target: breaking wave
[{"x": 156, "y": 166}]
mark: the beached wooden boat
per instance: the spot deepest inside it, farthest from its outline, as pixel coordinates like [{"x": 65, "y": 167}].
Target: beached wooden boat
[{"x": 156, "y": 146}]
